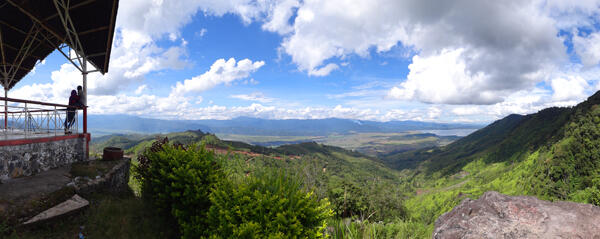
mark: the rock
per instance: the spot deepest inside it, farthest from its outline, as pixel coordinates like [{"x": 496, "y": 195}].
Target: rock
[{"x": 495, "y": 215}]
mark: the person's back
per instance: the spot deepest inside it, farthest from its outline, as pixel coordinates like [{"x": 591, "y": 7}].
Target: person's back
[
  {"x": 70, "y": 119},
  {"x": 73, "y": 100}
]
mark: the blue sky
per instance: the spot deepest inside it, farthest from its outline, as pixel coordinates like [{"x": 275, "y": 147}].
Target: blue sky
[{"x": 461, "y": 61}]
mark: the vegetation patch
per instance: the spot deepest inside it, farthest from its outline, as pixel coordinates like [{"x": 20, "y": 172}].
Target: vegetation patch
[{"x": 92, "y": 168}]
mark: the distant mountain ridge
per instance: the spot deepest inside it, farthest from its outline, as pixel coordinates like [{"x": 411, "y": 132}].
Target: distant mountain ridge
[{"x": 108, "y": 124}]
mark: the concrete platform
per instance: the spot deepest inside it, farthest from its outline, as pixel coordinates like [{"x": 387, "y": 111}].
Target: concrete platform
[
  {"x": 19, "y": 134},
  {"x": 42, "y": 183},
  {"x": 23, "y": 198},
  {"x": 75, "y": 203}
]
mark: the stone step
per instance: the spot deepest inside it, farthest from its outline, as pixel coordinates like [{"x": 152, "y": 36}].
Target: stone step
[{"x": 73, "y": 204}]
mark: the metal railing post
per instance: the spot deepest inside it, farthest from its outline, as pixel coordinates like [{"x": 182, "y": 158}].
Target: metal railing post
[{"x": 26, "y": 123}]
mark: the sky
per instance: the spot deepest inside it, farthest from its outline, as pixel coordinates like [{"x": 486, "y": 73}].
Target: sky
[{"x": 468, "y": 61}]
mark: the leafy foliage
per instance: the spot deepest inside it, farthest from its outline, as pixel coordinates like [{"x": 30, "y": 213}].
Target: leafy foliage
[
  {"x": 266, "y": 205},
  {"x": 178, "y": 182}
]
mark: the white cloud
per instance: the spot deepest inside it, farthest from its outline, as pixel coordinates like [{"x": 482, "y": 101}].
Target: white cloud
[
  {"x": 201, "y": 33},
  {"x": 434, "y": 112},
  {"x": 323, "y": 71},
  {"x": 255, "y": 96},
  {"x": 140, "y": 89},
  {"x": 458, "y": 57},
  {"x": 221, "y": 72},
  {"x": 570, "y": 88},
  {"x": 444, "y": 78},
  {"x": 588, "y": 48},
  {"x": 58, "y": 90},
  {"x": 514, "y": 48},
  {"x": 279, "y": 14},
  {"x": 199, "y": 99},
  {"x": 467, "y": 110}
]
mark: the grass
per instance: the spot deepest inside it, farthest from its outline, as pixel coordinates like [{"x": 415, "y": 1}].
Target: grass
[
  {"x": 91, "y": 168},
  {"x": 108, "y": 216},
  {"x": 369, "y": 230}
]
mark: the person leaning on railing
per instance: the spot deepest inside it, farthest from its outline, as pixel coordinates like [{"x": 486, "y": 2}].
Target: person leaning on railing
[
  {"x": 74, "y": 102},
  {"x": 81, "y": 95}
]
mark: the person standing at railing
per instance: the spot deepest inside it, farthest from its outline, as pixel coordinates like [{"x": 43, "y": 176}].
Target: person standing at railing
[
  {"x": 73, "y": 102},
  {"x": 81, "y": 95}
]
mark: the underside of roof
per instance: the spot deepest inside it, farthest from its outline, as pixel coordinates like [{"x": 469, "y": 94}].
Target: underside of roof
[{"x": 32, "y": 29}]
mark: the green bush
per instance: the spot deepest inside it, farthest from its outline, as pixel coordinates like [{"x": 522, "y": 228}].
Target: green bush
[
  {"x": 178, "y": 182},
  {"x": 374, "y": 201},
  {"x": 266, "y": 205}
]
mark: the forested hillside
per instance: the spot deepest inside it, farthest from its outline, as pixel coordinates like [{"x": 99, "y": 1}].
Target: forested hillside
[{"x": 553, "y": 154}]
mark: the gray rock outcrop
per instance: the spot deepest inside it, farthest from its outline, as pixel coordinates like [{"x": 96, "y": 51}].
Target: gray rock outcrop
[{"x": 495, "y": 215}]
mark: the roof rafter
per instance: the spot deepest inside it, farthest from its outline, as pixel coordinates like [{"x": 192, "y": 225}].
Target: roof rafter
[
  {"x": 23, "y": 52},
  {"x": 81, "y": 30},
  {"x": 36, "y": 19},
  {"x": 71, "y": 8}
]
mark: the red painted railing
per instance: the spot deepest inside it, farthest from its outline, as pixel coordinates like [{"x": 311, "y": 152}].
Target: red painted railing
[
  {"x": 26, "y": 109},
  {"x": 33, "y": 121}
]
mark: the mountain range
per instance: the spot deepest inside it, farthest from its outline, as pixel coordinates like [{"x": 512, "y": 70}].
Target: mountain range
[{"x": 108, "y": 124}]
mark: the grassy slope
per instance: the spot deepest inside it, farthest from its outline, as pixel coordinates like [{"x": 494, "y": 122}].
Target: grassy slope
[{"x": 553, "y": 154}]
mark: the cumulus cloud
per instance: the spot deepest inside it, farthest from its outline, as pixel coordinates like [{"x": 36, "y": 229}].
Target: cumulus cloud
[
  {"x": 221, "y": 72},
  {"x": 278, "y": 15},
  {"x": 588, "y": 48},
  {"x": 570, "y": 88},
  {"x": 64, "y": 80},
  {"x": 444, "y": 78},
  {"x": 457, "y": 58}
]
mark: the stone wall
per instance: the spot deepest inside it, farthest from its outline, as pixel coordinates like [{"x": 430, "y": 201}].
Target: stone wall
[
  {"x": 116, "y": 181},
  {"x": 31, "y": 158}
]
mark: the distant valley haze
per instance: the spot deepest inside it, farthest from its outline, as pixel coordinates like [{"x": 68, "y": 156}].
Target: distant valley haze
[{"x": 114, "y": 124}]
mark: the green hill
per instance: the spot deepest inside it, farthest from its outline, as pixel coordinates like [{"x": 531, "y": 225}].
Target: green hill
[
  {"x": 553, "y": 154},
  {"x": 499, "y": 141}
]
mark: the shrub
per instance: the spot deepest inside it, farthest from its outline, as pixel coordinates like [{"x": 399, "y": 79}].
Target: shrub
[
  {"x": 178, "y": 181},
  {"x": 266, "y": 205}
]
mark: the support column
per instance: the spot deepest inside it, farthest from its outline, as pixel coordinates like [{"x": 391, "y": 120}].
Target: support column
[
  {"x": 84, "y": 90},
  {"x": 5, "y": 109}
]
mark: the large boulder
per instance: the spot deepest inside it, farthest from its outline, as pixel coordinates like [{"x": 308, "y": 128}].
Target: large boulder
[{"x": 495, "y": 215}]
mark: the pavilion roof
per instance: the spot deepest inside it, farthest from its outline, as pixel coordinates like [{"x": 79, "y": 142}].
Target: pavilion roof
[{"x": 32, "y": 29}]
